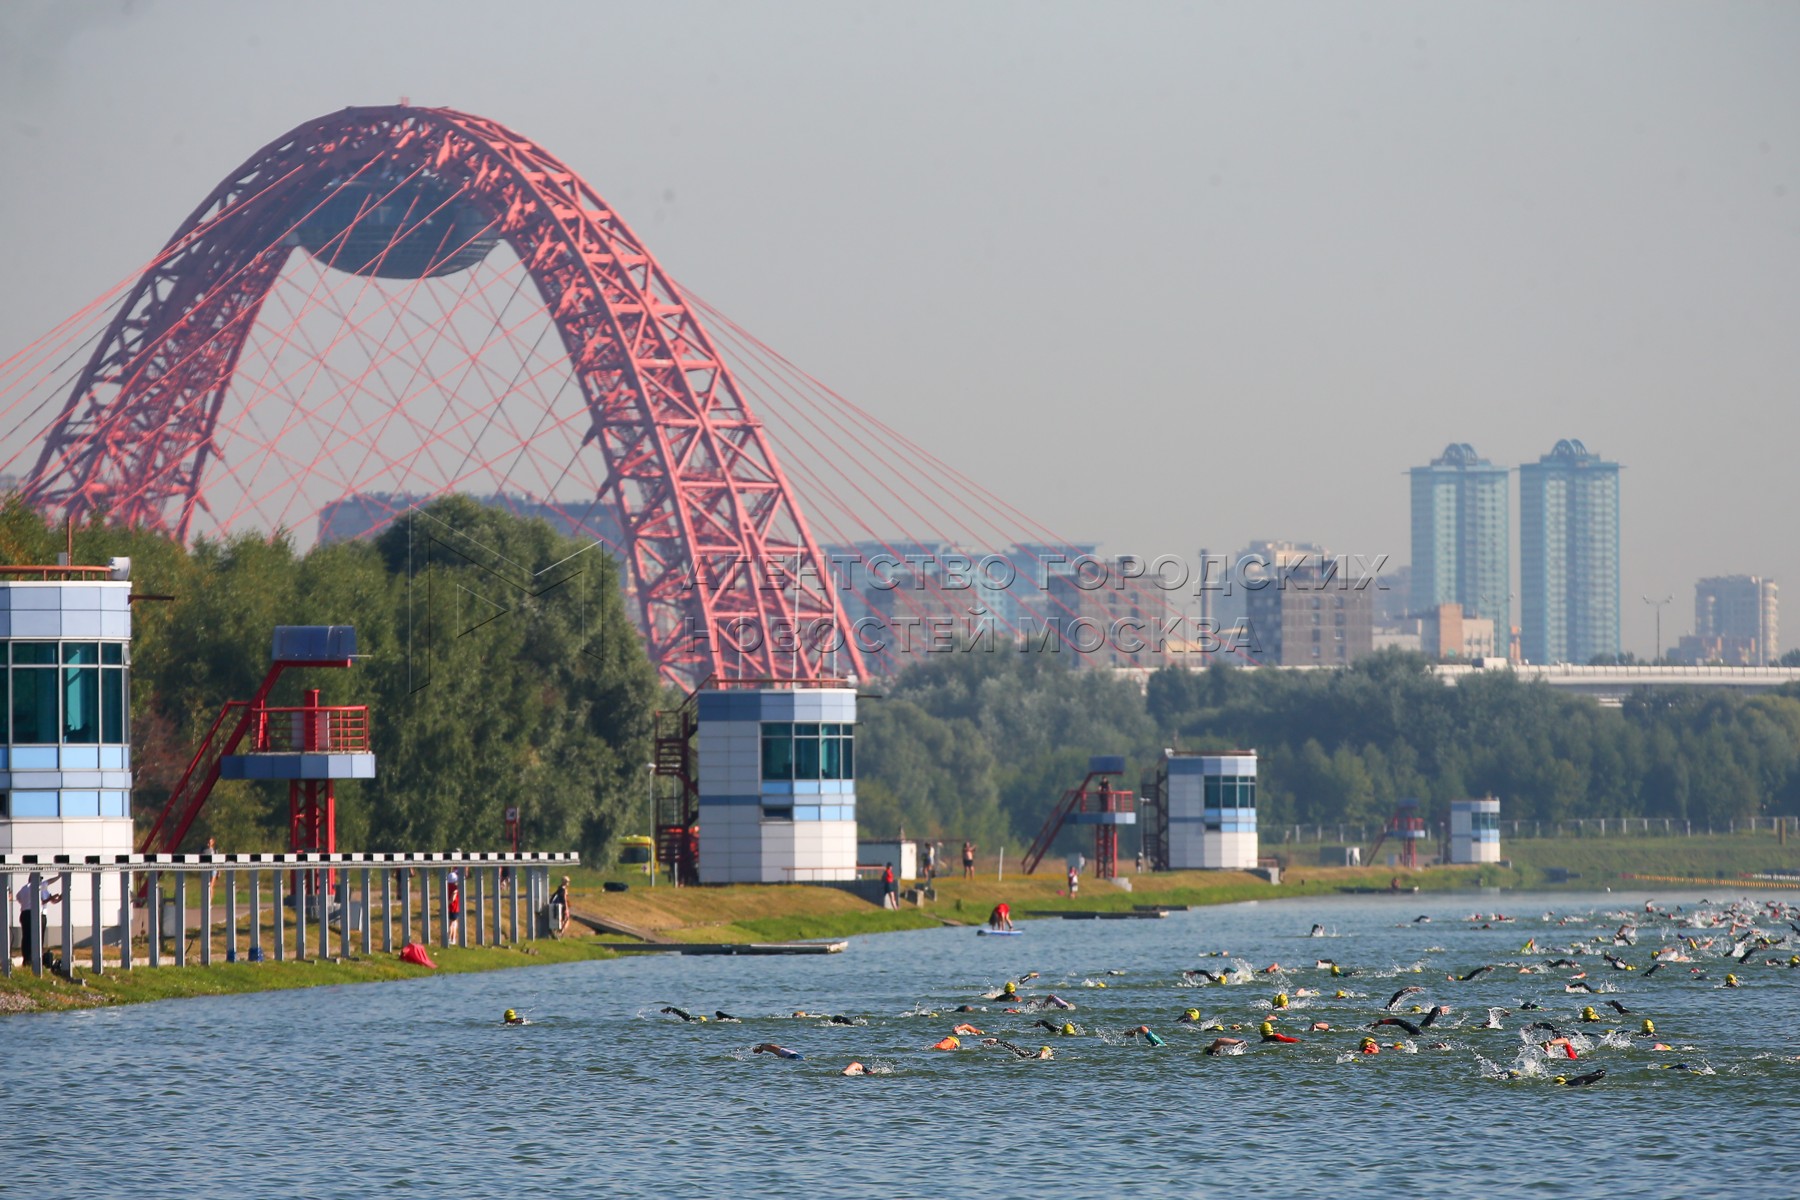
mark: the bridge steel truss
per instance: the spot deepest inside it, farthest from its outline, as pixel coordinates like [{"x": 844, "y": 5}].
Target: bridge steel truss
[{"x": 719, "y": 555}]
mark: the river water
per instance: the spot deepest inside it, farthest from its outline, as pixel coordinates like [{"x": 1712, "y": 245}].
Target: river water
[{"x": 415, "y": 1087}]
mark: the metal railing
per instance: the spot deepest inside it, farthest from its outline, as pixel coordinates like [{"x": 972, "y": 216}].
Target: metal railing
[{"x": 333, "y": 729}]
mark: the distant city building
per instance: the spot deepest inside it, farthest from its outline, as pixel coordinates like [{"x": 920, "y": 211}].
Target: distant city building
[
  {"x": 1306, "y": 615},
  {"x": 1569, "y": 556},
  {"x": 1223, "y": 596},
  {"x": 1445, "y": 633},
  {"x": 1462, "y": 537},
  {"x": 1393, "y": 600},
  {"x": 1736, "y": 622}
]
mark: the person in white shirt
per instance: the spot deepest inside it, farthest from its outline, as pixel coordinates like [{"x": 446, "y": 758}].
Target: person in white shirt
[{"x": 34, "y": 921}]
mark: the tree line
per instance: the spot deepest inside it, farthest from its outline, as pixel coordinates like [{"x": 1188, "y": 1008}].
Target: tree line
[
  {"x": 489, "y": 685},
  {"x": 492, "y": 684}
]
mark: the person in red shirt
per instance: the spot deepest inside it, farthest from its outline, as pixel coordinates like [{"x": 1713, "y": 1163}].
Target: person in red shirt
[{"x": 1001, "y": 917}]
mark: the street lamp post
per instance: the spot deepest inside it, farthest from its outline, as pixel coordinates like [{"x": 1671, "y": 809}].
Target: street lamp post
[{"x": 1658, "y": 605}]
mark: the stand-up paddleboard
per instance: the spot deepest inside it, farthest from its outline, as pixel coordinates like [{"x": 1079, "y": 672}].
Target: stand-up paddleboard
[{"x": 984, "y": 931}]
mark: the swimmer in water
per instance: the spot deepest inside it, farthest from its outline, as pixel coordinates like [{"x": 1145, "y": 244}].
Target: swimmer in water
[
  {"x": 966, "y": 1030},
  {"x": 1618, "y": 1008},
  {"x": 1588, "y": 1014},
  {"x": 1190, "y": 1017},
  {"x": 1143, "y": 1031},
  {"x": 841, "y": 1020},
  {"x": 1402, "y": 1022},
  {"x": 722, "y": 1015},
  {"x": 1477, "y": 973},
  {"x": 855, "y": 1068},
  {"x": 1731, "y": 981},
  {"x": 1317, "y": 931},
  {"x": 672, "y": 1011},
  {"x": 1221, "y": 1044},
  {"x": 777, "y": 1051},
  {"x": 1397, "y": 996},
  {"x": 509, "y": 1017},
  {"x": 1268, "y": 1034},
  {"x": 1370, "y": 1046},
  {"x": 1201, "y": 972},
  {"x": 1040, "y": 1052},
  {"x": 1582, "y": 1080}
]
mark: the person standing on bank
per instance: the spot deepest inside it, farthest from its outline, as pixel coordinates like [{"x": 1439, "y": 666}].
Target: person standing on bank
[
  {"x": 453, "y": 910},
  {"x": 559, "y": 907},
  {"x": 890, "y": 889},
  {"x": 34, "y": 922},
  {"x": 968, "y": 860}
]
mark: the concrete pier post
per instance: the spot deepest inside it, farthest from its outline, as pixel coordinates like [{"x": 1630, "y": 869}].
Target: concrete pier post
[
  {"x": 405, "y": 882},
  {"x": 424, "y": 890},
  {"x": 255, "y": 912},
  {"x": 181, "y": 918},
  {"x": 68, "y": 922},
  {"x": 364, "y": 926},
  {"x": 278, "y": 911},
  {"x": 299, "y": 899},
  {"x": 477, "y": 914},
  {"x": 231, "y": 921},
  {"x": 31, "y": 922},
  {"x": 207, "y": 882},
  {"x": 6, "y": 923},
  {"x": 462, "y": 916},
  {"x": 125, "y": 920},
  {"x": 513, "y": 882},
  {"x": 153, "y": 916},
  {"x": 322, "y": 893},
  {"x": 499, "y": 888},
  {"x": 97, "y": 959},
  {"x": 387, "y": 910}
]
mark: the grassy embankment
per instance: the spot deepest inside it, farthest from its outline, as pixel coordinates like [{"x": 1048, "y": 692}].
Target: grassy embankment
[
  {"x": 24, "y": 992},
  {"x": 781, "y": 913}
]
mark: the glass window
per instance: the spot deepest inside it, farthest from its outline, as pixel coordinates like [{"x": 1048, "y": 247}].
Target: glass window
[
  {"x": 115, "y": 804},
  {"x": 34, "y": 715},
  {"x": 112, "y": 706},
  {"x": 806, "y": 752},
  {"x": 81, "y": 704},
  {"x": 81, "y": 804},
  {"x": 112, "y": 654},
  {"x": 777, "y": 750},
  {"x": 34, "y": 804},
  {"x": 831, "y": 764},
  {"x": 82, "y": 653},
  {"x": 848, "y": 742},
  {"x": 784, "y": 812},
  {"x": 43, "y": 653}
]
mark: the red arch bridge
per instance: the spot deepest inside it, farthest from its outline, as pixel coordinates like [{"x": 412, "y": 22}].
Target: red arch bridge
[{"x": 392, "y": 303}]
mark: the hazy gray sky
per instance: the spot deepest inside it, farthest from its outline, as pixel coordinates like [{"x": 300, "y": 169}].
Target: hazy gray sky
[{"x": 1163, "y": 276}]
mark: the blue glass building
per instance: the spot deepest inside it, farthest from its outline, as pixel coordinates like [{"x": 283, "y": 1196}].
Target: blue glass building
[
  {"x": 1569, "y": 556},
  {"x": 1462, "y": 537}
]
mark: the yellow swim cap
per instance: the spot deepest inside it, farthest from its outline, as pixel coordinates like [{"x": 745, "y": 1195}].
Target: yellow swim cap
[
  {"x": 1068, "y": 1029},
  {"x": 1281, "y": 1000},
  {"x": 1649, "y": 1026},
  {"x": 510, "y": 1014},
  {"x": 1192, "y": 1014},
  {"x": 1342, "y": 994},
  {"x": 1268, "y": 1027},
  {"x": 1011, "y": 986},
  {"x": 1731, "y": 979}
]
